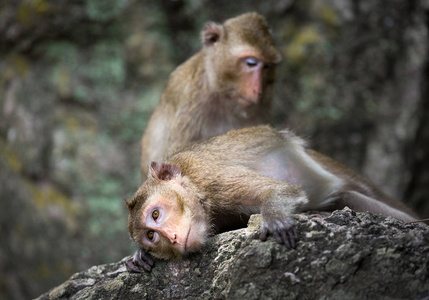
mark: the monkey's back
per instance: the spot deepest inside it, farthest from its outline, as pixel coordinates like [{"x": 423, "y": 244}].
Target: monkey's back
[
  {"x": 221, "y": 159},
  {"x": 240, "y": 147}
]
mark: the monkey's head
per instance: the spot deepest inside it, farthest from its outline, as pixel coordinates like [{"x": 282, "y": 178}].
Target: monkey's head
[
  {"x": 241, "y": 56},
  {"x": 165, "y": 216}
]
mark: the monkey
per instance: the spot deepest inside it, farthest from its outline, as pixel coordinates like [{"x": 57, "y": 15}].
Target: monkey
[
  {"x": 203, "y": 187},
  {"x": 227, "y": 85}
]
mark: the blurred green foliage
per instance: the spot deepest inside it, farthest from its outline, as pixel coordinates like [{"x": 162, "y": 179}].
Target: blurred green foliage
[{"x": 101, "y": 11}]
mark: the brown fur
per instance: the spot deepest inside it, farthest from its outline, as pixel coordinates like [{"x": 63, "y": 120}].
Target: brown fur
[
  {"x": 357, "y": 183},
  {"x": 246, "y": 171},
  {"x": 201, "y": 99}
]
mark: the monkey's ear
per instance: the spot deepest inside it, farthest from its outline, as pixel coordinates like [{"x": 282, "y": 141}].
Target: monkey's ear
[
  {"x": 131, "y": 203},
  {"x": 211, "y": 34},
  {"x": 164, "y": 171}
]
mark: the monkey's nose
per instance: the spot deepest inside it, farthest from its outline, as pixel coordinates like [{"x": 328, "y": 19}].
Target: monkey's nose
[{"x": 173, "y": 238}]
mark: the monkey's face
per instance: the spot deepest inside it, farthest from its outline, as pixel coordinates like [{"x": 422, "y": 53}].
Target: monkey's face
[
  {"x": 243, "y": 74},
  {"x": 169, "y": 222},
  {"x": 241, "y": 56},
  {"x": 169, "y": 229},
  {"x": 254, "y": 77}
]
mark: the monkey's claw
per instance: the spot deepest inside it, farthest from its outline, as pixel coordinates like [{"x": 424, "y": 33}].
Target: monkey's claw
[
  {"x": 284, "y": 234},
  {"x": 140, "y": 260}
]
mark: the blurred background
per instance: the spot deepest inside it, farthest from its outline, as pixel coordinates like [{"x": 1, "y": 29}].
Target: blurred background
[{"x": 80, "y": 78}]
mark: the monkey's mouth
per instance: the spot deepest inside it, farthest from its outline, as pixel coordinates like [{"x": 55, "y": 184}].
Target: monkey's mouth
[{"x": 246, "y": 102}]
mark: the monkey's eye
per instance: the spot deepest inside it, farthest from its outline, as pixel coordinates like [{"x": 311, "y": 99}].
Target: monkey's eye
[
  {"x": 150, "y": 235},
  {"x": 252, "y": 61},
  {"x": 155, "y": 214}
]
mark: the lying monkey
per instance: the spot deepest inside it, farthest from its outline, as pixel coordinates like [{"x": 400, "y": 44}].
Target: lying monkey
[{"x": 208, "y": 186}]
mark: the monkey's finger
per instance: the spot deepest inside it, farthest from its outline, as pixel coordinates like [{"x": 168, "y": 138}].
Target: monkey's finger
[
  {"x": 142, "y": 260},
  {"x": 278, "y": 237},
  {"x": 293, "y": 236},
  {"x": 131, "y": 267},
  {"x": 264, "y": 234},
  {"x": 292, "y": 242},
  {"x": 144, "y": 257},
  {"x": 146, "y": 267},
  {"x": 142, "y": 264},
  {"x": 286, "y": 238}
]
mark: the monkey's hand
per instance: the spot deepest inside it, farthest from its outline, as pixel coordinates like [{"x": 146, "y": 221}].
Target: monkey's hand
[
  {"x": 277, "y": 220},
  {"x": 141, "y": 259},
  {"x": 283, "y": 230}
]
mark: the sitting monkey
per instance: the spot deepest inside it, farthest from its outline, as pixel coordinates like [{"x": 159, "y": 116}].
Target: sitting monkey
[
  {"x": 207, "y": 186},
  {"x": 227, "y": 85}
]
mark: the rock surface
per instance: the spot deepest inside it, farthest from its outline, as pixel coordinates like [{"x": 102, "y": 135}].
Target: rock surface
[{"x": 343, "y": 255}]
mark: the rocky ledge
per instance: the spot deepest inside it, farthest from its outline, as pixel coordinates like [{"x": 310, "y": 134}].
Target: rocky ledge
[{"x": 343, "y": 255}]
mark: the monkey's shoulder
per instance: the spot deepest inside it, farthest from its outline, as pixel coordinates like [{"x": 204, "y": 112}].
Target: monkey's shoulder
[{"x": 184, "y": 84}]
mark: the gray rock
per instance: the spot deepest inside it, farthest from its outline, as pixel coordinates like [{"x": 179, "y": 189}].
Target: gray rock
[{"x": 343, "y": 255}]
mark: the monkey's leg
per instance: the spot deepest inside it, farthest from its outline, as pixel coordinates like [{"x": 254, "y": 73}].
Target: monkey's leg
[
  {"x": 360, "y": 202},
  {"x": 140, "y": 260}
]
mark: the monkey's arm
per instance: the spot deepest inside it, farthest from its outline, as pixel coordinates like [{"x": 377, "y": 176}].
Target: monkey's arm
[
  {"x": 277, "y": 213},
  {"x": 277, "y": 201}
]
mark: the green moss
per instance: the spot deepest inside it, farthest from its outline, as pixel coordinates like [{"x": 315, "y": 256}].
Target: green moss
[
  {"x": 107, "y": 66},
  {"x": 61, "y": 79},
  {"x": 10, "y": 157},
  {"x": 89, "y": 75},
  {"x": 48, "y": 198},
  {"x": 297, "y": 51},
  {"x": 20, "y": 63},
  {"x": 329, "y": 16},
  {"x": 316, "y": 98},
  {"x": 132, "y": 121},
  {"x": 104, "y": 10},
  {"x": 80, "y": 124},
  {"x": 30, "y": 10},
  {"x": 61, "y": 52},
  {"x": 15, "y": 65},
  {"x": 107, "y": 216},
  {"x": 64, "y": 59},
  {"x": 81, "y": 92}
]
